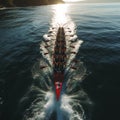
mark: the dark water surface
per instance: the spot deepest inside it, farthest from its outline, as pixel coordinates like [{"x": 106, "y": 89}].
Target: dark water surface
[{"x": 22, "y": 29}]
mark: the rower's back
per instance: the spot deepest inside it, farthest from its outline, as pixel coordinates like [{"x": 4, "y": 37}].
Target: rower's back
[{"x": 59, "y": 51}]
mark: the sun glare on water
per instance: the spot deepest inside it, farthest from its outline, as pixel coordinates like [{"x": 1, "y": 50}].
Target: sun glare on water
[
  {"x": 72, "y": 0},
  {"x": 60, "y": 14}
]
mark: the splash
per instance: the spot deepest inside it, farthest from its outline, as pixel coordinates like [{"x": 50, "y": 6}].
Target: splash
[{"x": 44, "y": 105}]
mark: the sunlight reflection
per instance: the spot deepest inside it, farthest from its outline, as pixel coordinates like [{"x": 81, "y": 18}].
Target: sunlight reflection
[{"x": 60, "y": 11}]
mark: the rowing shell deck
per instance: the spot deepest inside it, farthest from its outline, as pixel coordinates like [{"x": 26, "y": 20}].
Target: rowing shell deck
[{"x": 59, "y": 61}]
